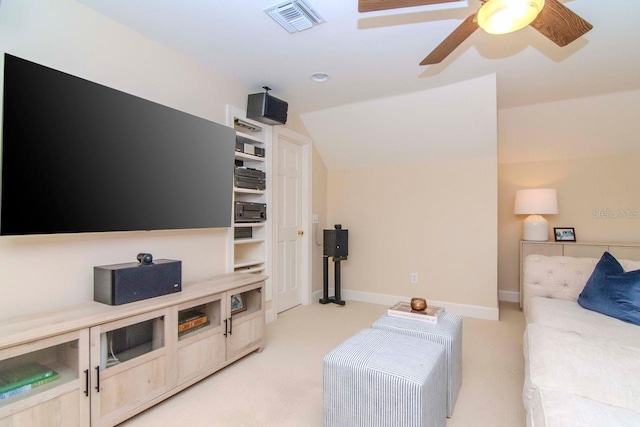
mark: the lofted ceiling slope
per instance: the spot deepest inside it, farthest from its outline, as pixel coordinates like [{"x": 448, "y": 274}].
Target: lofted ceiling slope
[{"x": 375, "y": 55}]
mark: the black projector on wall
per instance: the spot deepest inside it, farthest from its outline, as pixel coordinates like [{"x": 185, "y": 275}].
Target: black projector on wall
[{"x": 267, "y": 109}]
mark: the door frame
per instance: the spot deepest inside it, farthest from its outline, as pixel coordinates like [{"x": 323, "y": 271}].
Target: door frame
[{"x": 305, "y": 144}]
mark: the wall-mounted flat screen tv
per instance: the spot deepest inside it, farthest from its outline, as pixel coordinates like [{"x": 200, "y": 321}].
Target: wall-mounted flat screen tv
[{"x": 81, "y": 157}]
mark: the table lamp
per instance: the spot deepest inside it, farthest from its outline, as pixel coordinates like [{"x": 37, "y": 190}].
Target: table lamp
[{"x": 535, "y": 203}]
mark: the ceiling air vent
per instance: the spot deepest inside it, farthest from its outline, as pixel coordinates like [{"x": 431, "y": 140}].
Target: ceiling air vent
[{"x": 294, "y": 16}]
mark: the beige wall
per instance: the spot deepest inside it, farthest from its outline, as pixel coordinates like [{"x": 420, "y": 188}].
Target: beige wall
[
  {"x": 598, "y": 197},
  {"x": 596, "y": 126},
  {"x": 43, "y": 272},
  {"x": 436, "y": 219},
  {"x": 296, "y": 124},
  {"x": 427, "y": 212},
  {"x": 585, "y": 148}
]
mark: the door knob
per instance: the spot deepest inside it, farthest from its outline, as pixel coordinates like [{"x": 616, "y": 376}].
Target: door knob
[{"x": 300, "y": 232}]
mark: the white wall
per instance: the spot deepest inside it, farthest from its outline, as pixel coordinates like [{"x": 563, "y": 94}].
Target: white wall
[
  {"x": 416, "y": 197},
  {"x": 42, "y": 272}
]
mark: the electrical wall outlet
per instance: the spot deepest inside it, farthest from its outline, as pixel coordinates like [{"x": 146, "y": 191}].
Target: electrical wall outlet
[
  {"x": 314, "y": 218},
  {"x": 414, "y": 277}
]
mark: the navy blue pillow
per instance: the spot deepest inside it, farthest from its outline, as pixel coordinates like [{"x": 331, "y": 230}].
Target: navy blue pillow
[{"x": 612, "y": 291}]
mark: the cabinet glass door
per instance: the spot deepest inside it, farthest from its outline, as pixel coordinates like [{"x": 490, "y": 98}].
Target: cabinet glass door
[
  {"x": 46, "y": 382},
  {"x": 131, "y": 341},
  {"x": 201, "y": 342},
  {"x": 245, "y": 331},
  {"x": 130, "y": 364}
]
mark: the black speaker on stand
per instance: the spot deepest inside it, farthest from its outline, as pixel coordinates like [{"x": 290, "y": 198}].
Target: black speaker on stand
[{"x": 336, "y": 245}]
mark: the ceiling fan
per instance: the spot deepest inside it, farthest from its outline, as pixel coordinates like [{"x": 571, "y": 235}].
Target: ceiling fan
[{"x": 550, "y": 17}]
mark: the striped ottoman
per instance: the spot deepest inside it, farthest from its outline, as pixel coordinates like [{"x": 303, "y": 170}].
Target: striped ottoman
[
  {"x": 380, "y": 378},
  {"x": 448, "y": 332}
]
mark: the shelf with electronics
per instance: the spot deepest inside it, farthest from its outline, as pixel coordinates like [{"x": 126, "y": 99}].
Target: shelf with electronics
[{"x": 251, "y": 241}]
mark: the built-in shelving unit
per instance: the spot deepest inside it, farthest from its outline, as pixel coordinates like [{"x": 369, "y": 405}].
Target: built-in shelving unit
[
  {"x": 241, "y": 241},
  {"x": 249, "y": 157},
  {"x": 239, "y": 191},
  {"x": 251, "y": 253}
]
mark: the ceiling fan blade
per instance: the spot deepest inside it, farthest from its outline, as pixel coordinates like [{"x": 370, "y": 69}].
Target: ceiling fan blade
[
  {"x": 373, "y": 5},
  {"x": 559, "y": 24},
  {"x": 454, "y": 40}
]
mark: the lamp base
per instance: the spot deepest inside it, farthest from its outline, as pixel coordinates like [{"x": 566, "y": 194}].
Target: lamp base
[{"x": 535, "y": 228}]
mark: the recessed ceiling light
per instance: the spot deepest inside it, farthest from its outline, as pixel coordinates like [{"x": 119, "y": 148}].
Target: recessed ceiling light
[{"x": 319, "y": 77}]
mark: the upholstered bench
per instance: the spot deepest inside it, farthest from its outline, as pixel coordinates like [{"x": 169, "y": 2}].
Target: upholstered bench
[
  {"x": 380, "y": 378},
  {"x": 448, "y": 332}
]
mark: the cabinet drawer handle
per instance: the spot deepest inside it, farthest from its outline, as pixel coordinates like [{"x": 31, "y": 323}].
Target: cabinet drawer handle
[
  {"x": 98, "y": 378},
  {"x": 86, "y": 382},
  {"x": 225, "y": 327},
  {"x": 230, "y": 325}
]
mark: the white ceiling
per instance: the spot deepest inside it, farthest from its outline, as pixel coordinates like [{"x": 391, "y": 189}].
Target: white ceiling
[{"x": 376, "y": 55}]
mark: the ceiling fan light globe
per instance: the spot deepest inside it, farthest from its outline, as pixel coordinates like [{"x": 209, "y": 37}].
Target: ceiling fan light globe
[{"x": 507, "y": 16}]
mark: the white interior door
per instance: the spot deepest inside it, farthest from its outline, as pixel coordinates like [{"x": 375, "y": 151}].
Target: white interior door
[{"x": 289, "y": 226}]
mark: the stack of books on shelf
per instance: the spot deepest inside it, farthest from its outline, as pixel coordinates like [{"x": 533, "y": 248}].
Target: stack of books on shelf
[
  {"x": 403, "y": 309},
  {"x": 23, "y": 378},
  {"x": 191, "y": 320}
]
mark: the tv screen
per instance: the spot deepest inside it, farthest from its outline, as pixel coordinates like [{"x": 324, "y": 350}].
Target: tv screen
[{"x": 81, "y": 157}]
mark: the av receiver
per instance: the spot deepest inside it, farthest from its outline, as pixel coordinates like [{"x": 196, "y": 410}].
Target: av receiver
[
  {"x": 249, "y": 172},
  {"x": 242, "y": 233},
  {"x": 247, "y": 148},
  {"x": 253, "y": 179},
  {"x": 250, "y": 212},
  {"x": 249, "y": 183}
]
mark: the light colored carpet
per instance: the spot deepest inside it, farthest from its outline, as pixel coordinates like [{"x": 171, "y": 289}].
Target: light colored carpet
[{"x": 282, "y": 386}]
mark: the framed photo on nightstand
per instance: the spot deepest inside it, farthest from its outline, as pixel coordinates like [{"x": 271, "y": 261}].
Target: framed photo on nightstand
[{"x": 564, "y": 234}]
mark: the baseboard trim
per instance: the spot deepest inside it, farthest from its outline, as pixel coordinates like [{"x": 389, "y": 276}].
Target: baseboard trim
[
  {"x": 467, "y": 310},
  {"x": 315, "y": 296},
  {"x": 509, "y": 296},
  {"x": 270, "y": 316}
]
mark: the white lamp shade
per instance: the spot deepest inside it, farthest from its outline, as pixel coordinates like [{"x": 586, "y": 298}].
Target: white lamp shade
[
  {"x": 506, "y": 16},
  {"x": 541, "y": 201}
]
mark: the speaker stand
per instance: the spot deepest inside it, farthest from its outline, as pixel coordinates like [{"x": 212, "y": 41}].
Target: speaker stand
[{"x": 336, "y": 295}]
